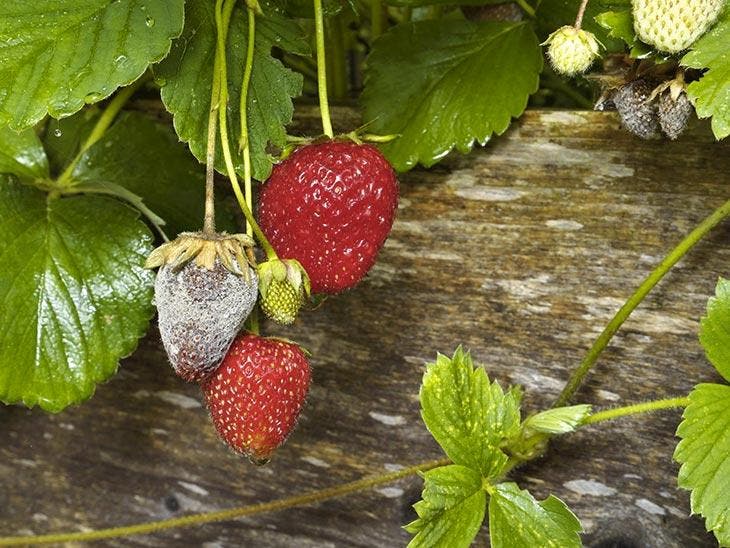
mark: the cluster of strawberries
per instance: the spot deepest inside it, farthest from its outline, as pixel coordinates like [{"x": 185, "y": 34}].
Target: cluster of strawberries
[{"x": 326, "y": 211}]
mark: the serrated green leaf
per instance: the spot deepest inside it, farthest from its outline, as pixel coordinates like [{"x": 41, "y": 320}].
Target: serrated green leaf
[
  {"x": 560, "y": 420},
  {"x": 74, "y": 296},
  {"x": 517, "y": 520},
  {"x": 22, "y": 154},
  {"x": 186, "y": 75},
  {"x": 715, "y": 329},
  {"x": 467, "y": 415},
  {"x": 62, "y": 138},
  {"x": 146, "y": 158},
  {"x": 704, "y": 452},
  {"x": 620, "y": 25},
  {"x": 448, "y": 84},
  {"x": 711, "y": 93},
  {"x": 452, "y": 509},
  {"x": 58, "y": 55}
]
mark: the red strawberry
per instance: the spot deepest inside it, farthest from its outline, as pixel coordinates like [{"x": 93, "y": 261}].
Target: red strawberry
[
  {"x": 330, "y": 206},
  {"x": 256, "y": 394}
]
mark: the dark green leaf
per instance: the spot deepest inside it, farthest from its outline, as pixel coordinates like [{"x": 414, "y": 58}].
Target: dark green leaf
[
  {"x": 63, "y": 138},
  {"x": 517, "y": 520},
  {"x": 58, "y": 55},
  {"x": 452, "y": 509},
  {"x": 704, "y": 452},
  {"x": 467, "y": 415},
  {"x": 22, "y": 154},
  {"x": 146, "y": 158},
  {"x": 715, "y": 329},
  {"x": 446, "y": 84},
  {"x": 74, "y": 296},
  {"x": 186, "y": 74},
  {"x": 711, "y": 93}
]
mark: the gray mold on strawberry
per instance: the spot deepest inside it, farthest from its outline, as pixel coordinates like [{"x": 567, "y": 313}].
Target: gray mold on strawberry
[
  {"x": 200, "y": 312},
  {"x": 674, "y": 114},
  {"x": 637, "y": 110}
]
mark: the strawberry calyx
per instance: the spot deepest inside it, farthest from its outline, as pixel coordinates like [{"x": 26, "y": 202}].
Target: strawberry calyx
[
  {"x": 284, "y": 286},
  {"x": 357, "y": 136},
  {"x": 234, "y": 251}
]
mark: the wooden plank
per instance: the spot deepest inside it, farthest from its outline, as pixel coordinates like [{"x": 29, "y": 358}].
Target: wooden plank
[{"x": 521, "y": 252}]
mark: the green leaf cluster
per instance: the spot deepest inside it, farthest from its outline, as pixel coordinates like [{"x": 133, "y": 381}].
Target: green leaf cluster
[
  {"x": 704, "y": 449},
  {"x": 478, "y": 426}
]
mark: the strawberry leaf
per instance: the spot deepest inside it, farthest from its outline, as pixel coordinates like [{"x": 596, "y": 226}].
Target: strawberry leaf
[
  {"x": 147, "y": 158},
  {"x": 620, "y": 25},
  {"x": 467, "y": 415},
  {"x": 517, "y": 520},
  {"x": 58, "y": 55},
  {"x": 704, "y": 452},
  {"x": 22, "y": 154},
  {"x": 715, "y": 329},
  {"x": 560, "y": 420},
  {"x": 711, "y": 93},
  {"x": 74, "y": 296},
  {"x": 62, "y": 138},
  {"x": 186, "y": 79},
  {"x": 445, "y": 84},
  {"x": 452, "y": 509}
]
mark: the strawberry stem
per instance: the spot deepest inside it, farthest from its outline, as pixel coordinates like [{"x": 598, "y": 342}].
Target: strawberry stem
[
  {"x": 635, "y": 409},
  {"x": 577, "y": 377},
  {"x": 224, "y": 515},
  {"x": 243, "y": 143},
  {"x": 322, "y": 69},
  {"x": 579, "y": 16}
]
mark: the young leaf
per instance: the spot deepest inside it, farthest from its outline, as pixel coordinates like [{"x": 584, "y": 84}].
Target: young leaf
[
  {"x": 186, "y": 78},
  {"x": 715, "y": 329},
  {"x": 22, "y": 154},
  {"x": 560, "y": 420},
  {"x": 452, "y": 509},
  {"x": 60, "y": 54},
  {"x": 711, "y": 93},
  {"x": 620, "y": 25},
  {"x": 466, "y": 414},
  {"x": 445, "y": 84},
  {"x": 74, "y": 296},
  {"x": 704, "y": 452},
  {"x": 517, "y": 520},
  {"x": 147, "y": 158}
]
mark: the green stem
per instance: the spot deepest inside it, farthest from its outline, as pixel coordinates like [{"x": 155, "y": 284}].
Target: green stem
[
  {"x": 337, "y": 62},
  {"x": 576, "y": 379},
  {"x": 646, "y": 407},
  {"x": 322, "y": 69},
  {"x": 102, "y": 124},
  {"x": 244, "y": 143},
  {"x": 225, "y": 515},
  {"x": 581, "y": 12},
  {"x": 223, "y": 19},
  {"x": 377, "y": 19},
  {"x": 527, "y": 8}
]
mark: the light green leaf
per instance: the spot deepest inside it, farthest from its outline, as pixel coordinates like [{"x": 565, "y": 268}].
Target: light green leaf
[
  {"x": 445, "y": 84},
  {"x": 452, "y": 509},
  {"x": 715, "y": 329},
  {"x": 22, "y": 154},
  {"x": 57, "y": 55},
  {"x": 74, "y": 296},
  {"x": 517, "y": 520},
  {"x": 186, "y": 74},
  {"x": 711, "y": 93},
  {"x": 147, "y": 158},
  {"x": 704, "y": 452},
  {"x": 467, "y": 415},
  {"x": 620, "y": 25},
  {"x": 560, "y": 420}
]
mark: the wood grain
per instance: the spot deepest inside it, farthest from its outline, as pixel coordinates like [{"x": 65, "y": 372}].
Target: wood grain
[{"x": 521, "y": 252}]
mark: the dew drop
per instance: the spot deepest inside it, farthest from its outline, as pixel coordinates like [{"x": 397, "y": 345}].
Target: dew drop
[
  {"x": 92, "y": 97},
  {"x": 57, "y": 132},
  {"x": 149, "y": 21}
]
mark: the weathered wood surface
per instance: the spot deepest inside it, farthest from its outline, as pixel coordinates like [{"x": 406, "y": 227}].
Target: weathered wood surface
[{"x": 521, "y": 252}]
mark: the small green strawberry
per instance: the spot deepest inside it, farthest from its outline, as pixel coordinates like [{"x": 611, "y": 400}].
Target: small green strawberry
[
  {"x": 284, "y": 286},
  {"x": 572, "y": 51},
  {"x": 674, "y": 25}
]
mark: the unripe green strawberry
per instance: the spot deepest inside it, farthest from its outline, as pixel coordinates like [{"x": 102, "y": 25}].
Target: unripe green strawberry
[
  {"x": 572, "y": 51},
  {"x": 674, "y": 113},
  {"x": 284, "y": 286},
  {"x": 673, "y": 25},
  {"x": 637, "y": 110}
]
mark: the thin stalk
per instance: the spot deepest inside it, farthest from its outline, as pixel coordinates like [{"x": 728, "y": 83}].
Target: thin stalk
[
  {"x": 322, "y": 69},
  {"x": 377, "y": 19},
  {"x": 225, "y": 515},
  {"x": 577, "y": 377},
  {"x": 646, "y": 407},
  {"x": 527, "y": 8},
  {"x": 244, "y": 144},
  {"x": 102, "y": 124},
  {"x": 581, "y": 13}
]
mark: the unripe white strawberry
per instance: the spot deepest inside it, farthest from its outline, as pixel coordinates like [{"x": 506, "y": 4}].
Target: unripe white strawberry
[
  {"x": 572, "y": 51},
  {"x": 673, "y": 25}
]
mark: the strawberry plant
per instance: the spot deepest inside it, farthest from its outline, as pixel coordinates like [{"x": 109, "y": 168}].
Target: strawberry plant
[{"x": 126, "y": 123}]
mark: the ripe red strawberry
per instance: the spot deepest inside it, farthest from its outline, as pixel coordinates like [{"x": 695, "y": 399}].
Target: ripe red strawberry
[
  {"x": 330, "y": 206},
  {"x": 256, "y": 394}
]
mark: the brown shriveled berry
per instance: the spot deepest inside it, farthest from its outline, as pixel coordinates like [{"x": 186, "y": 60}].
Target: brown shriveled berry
[{"x": 637, "y": 110}]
